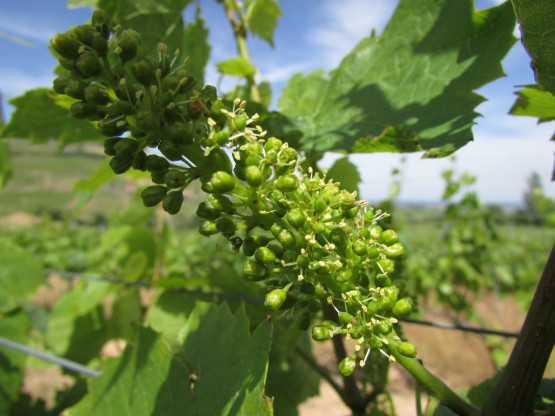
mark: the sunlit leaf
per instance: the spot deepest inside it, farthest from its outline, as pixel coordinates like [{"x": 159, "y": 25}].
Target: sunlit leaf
[
  {"x": 418, "y": 75},
  {"x": 262, "y": 18},
  {"x": 238, "y": 66},
  {"x": 536, "y": 19},
  {"x": 534, "y": 102}
]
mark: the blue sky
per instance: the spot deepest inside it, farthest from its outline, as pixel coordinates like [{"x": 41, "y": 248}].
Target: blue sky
[{"x": 314, "y": 34}]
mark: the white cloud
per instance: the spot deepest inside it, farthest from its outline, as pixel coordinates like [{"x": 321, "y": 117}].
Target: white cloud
[
  {"x": 345, "y": 23},
  {"x": 282, "y": 73},
  {"x": 36, "y": 29},
  {"x": 14, "y": 83}
]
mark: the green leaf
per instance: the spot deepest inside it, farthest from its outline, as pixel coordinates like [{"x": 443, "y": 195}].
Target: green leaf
[
  {"x": 262, "y": 18},
  {"x": 346, "y": 173},
  {"x": 536, "y": 19},
  {"x": 418, "y": 75},
  {"x": 265, "y": 90},
  {"x": 101, "y": 177},
  {"x": 5, "y": 164},
  {"x": 158, "y": 21},
  {"x": 196, "y": 47},
  {"x": 20, "y": 274},
  {"x": 238, "y": 66},
  {"x": 393, "y": 139},
  {"x": 534, "y": 102},
  {"x": 145, "y": 380},
  {"x": 82, "y": 3},
  {"x": 13, "y": 326},
  {"x": 284, "y": 384},
  {"x": 40, "y": 116},
  {"x": 221, "y": 371},
  {"x": 77, "y": 326},
  {"x": 169, "y": 314},
  {"x": 479, "y": 394},
  {"x": 230, "y": 364}
]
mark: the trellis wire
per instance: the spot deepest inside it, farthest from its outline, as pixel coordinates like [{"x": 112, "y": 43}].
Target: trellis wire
[
  {"x": 73, "y": 366},
  {"x": 249, "y": 299}
]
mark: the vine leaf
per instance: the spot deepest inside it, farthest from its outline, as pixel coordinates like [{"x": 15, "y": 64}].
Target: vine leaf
[
  {"x": 229, "y": 363},
  {"x": 536, "y": 25},
  {"x": 262, "y": 18},
  {"x": 5, "y": 164},
  {"x": 534, "y": 102},
  {"x": 20, "y": 275},
  {"x": 393, "y": 139},
  {"x": 13, "y": 326},
  {"x": 345, "y": 172},
  {"x": 40, "y": 117},
  {"x": 205, "y": 377},
  {"x": 238, "y": 66},
  {"x": 418, "y": 75}
]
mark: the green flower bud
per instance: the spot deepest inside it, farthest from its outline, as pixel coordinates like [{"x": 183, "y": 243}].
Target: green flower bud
[
  {"x": 273, "y": 144},
  {"x": 126, "y": 147},
  {"x": 170, "y": 150},
  {"x": 254, "y": 271},
  {"x": 65, "y": 45},
  {"x": 88, "y": 64},
  {"x": 175, "y": 178},
  {"x": 347, "y": 366},
  {"x": 83, "y": 111},
  {"x": 321, "y": 333},
  {"x": 139, "y": 161},
  {"x": 387, "y": 265},
  {"x": 112, "y": 127},
  {"x": 388, "y": 237},
  {"x": 226, "y": 225},
  {"x": 96, "y": 95},
  {"x": 109, "y": 145},
  {"x": 172, "y": 202},
  {"x": 209, "y": 214},
  {"x": 121, "y": 164},
  {"x": 221, "y": 182},
  {"x": 296, "y": 217},
  {"x": 101, "y": 23},
  {"x": 401, "y": 308},
  {"x": 345, "y": 318},
  {"x": 275, "y": 299},
  {"x": 100, "y": 45},
  {"x": 287, "y": 183},
  {"x": 254, "y": 175},
  {"x": 394, "y": 250},
  {"x": 287, "y": 239},
  {"x": 153, "y": 195},
  {"x": 156, "y": 163},
  {"x": 360, "y": 248},
  {"x": 384, "y": 327},
  {"x": 264, "y": 255},
  {"x": 208, "y": 228},
  {"x": 239, "y": 122},
  {"x": 407, "y": 349},
  {"x": 219, "y": 203},
  {"x": 144, "y": 70},
  {"x": 83, "y": 33},
  {"x": 287, "y": 155},
  {"x": 128, "y": 45}
]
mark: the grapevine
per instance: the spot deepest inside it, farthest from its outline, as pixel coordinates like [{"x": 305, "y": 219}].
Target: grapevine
[{"x": 309, "y": 242}]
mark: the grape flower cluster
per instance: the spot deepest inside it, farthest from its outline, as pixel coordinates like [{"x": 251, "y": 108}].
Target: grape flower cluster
[{"x": 310, "y": 243}]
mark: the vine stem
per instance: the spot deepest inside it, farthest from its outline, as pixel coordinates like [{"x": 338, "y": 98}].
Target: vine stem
[
  {"x": 516, "y": 390},
  {"x": 240, "y": 33},
  {"x": 436, "y": 387}
]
